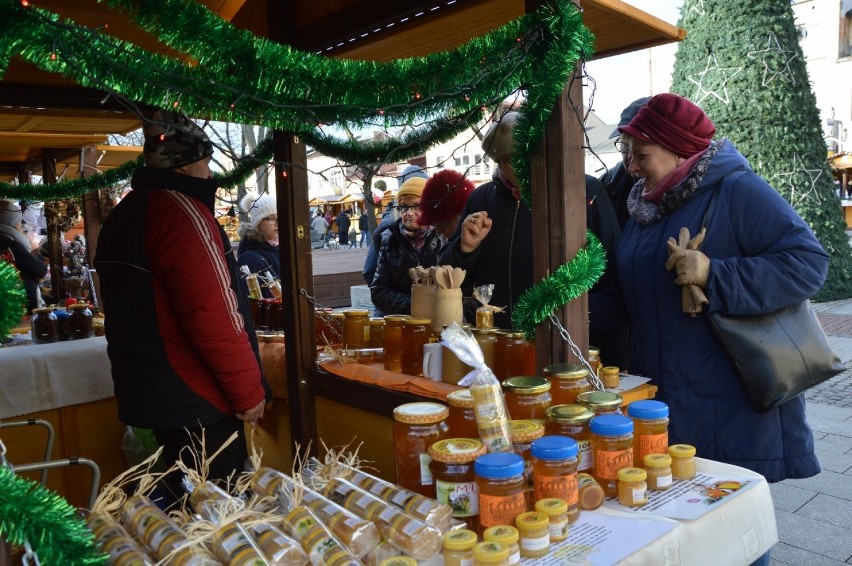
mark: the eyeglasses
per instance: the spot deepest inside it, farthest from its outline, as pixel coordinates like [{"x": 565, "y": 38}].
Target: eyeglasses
[
  {"x": 413, "y": 208},
  {"x": 272, "y": 220},
  {"x": 622, "y": 147}
]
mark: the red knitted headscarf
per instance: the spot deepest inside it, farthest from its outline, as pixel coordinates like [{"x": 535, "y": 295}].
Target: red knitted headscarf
[
  {"x": 444, "y": 197},
  {"x": 673, "y": 122}
]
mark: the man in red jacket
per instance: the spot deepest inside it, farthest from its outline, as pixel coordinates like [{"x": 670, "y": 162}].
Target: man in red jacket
[{"x": 180, "y": 337}]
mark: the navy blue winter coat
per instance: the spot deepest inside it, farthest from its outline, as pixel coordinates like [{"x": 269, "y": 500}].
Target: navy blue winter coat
[
  {"x": 763, "y": 257},
  {"x": 259, "y": 257}
]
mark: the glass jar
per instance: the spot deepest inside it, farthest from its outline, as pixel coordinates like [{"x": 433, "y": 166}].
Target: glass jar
[
  {"x": 417, "y": 426},
  {"x": 485, "y": 317},
  {"x": 500, "y": 478},
  {"x": 377, "y": 333},
  {"x": 534, "y": 530},
  {"x": 452, "y": 368},
  {"x": 554, "y": 465},
  {"x": 44, "y": 326},
  {"x": 610, "y": 377},
  {"x": 62, "y": 323},
  {"x": 486, "y": 338},
  {"x": 572, "y": 421},
  {"x": 490, "y": 553},
  {"x": 523, "y": 433},
  {"x": 659, "y": 468},
  {"x": 326, "y": 334},
  {"x": 595, "y": 359},
  {"x": 452, "y": 471},
  {"x": 527, "y": 397},
  {"x": 601, "y": 402},
  {"x": 492, "y": 418},
  {"x": 415, "y": 333},
  {"x": 557, "y": 512},
  {"x": 263, "y": 314},
  {"x": 458, "y": 547},
  {"x": 650, "y": 429},
  {"x": 273, "y": 315},
  {"x": 356, "y": 328},
  {"x": 501, "y": 361},
  {"x": 567, "y": 381},
  {"x": 591, "y": 494},
  {"x": 393, "y": 341},
  {"x": 508, "y": 535},
  {"x": 683, "y": 461},
  {"x": 612, "y": 449},
  {"x": 516, "y": 354},
  {"x": 395, "y": 560},
  {"x": 80, "y": 322},
  {"x": 632, "y": 488},
  {"x": 462, "y": 419}
]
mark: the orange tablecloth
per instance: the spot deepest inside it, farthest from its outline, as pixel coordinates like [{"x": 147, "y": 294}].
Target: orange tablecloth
[{"x": 375, "y": 374}]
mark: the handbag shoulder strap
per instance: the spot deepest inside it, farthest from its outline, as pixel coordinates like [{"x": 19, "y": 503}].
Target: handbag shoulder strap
[{"x": 728, "y": 179}]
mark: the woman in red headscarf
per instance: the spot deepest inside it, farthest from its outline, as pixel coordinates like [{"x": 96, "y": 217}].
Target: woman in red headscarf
[{"x": 758, "y": 256}]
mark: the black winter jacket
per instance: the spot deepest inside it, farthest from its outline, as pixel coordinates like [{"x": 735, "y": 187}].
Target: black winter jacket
[
  {"x": 259, "y": 257},
  {"x": 391, "y": 286}
]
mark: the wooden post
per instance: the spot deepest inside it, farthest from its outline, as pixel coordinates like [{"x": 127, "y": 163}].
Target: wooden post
[
  {"x": 91, "y": 212},
  {"x": 54, "y": 236}
]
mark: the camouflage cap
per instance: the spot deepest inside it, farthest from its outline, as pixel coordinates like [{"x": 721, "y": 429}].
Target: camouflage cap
[{"x": 173, "y": 140}]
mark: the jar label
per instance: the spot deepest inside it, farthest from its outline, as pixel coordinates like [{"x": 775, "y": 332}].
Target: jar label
[
  {"x": 664, "y": 481},
  {"x": 500, "y": 509},
  {"x": 561, "y": 487},
  {"x": 462, "y": 497},
  {"x": 640, "y": 495},
  {"x": 559, "y": 530},
  {"x": 397, "y": 495},
  {"x": 653, "y": 444},
  {"x": 608, "y": 462},
  {"x": 584, "y": 455},
  {"x": 425, "y": 472},
  {"x": 534, "y": 544},
  {"x": 515, "y": 558}
]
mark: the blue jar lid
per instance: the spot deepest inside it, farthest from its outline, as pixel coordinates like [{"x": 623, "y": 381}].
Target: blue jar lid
[
  {"x": 554, "y": 448},
  {"x": 498, "y": 465},
  {"x": 648, "y": 409},
  {"x": 611, "y": 425}
]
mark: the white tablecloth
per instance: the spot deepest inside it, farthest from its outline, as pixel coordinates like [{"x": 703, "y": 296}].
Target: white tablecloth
[{"x": 39, "y": 377}]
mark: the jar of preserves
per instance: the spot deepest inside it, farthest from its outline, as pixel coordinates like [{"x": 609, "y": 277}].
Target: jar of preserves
[
  {"x": 377, "y": 333},
  {"x": 591, "y": 493},
  {"x": 458, "y": 547},
  {"x": 683, "y": 461},
  {"x": 397, "y": 560},
  {"x": 516, "y": 354},
  {"x": 263, "y": 314},
  {"x": 326, "y": 333},
  {"x": 523, "y": 433},
  {"x": 567, "y": 381},
  {"x": 650, "y": 429},
  {"x": 486, "y": 338},
  {"x": 417, "y": 426},
  {"x": 452, "y": 471},
  {"x": 462, "y": 419},
  {"x": 601, "y": 402},
  {"x": 62, "y": 323},
  {"x": 659, "y": 468},
  {"x": 490, "y": 553},
  {"x": 527, "y": 397},
  {"x": 534, "y": 530},
  {"x": 485, "y": 317},
  {"x": 632, "y": 488},
  {"x": 452, "y": 368},
  {"x": 508, "y": 535},
  {"x": 557, "y": 512},
  {"x": 44, "y": 326},
  {"x": 554, "y": 467},
  {"x": 393, "y": 341},
  {"x": 610, "y": 377},
  {"x": 501, "y": 360},
  {"x": 572, "y": 421},
  {"x": 356, "y": 328},
  {"x": 595, "y": 359},
  {"x": 415, "y": 334},
  {"x": 80, "y": 322},
  {"x": 612, "y": 449},
  {"x": 500, "y": 478}
]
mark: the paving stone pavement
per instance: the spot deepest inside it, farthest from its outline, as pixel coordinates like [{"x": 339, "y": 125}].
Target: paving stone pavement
[{"x": 814, "y": 515}]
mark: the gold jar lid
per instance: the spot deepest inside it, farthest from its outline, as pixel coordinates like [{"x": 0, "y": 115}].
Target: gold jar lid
[
  {"x": 681, "y": 451},
  {"x": 460, "y": 539},
  {"x": 501, "y": 533},
  {"x": 600, "y": 400},
  {"x": 334, "y": 314},
  {"x": 491, "y": 330},
  {"x": 421, "y": 321},
  {"x": 457, "y": 450},
  {"x": 78, "y": 307},
  {"x": 532, "y": 520},
  {"x": 490, "y": 551},
  {"x": 525, "y": 430},
  {"x": 566, "y": 371},
  {"x": 396, "y": 317},
  {"x": 399, "y": 561},
  {"x": 594, "y": 351},
  {"x": 657, "y": 460},
  {"x": 43, "y": 310},
  {"x": 356, "y": 312},
  {"x": 461, "y": 398},
  {"x": 377, "y": 322},
  {"x": 526, "y": 384},
  {"x": 420, "y": 413},
  {"x": 569, "y": 414},
  {"x": 551, "y": 506},
  {"x": 632, "y": 474}
]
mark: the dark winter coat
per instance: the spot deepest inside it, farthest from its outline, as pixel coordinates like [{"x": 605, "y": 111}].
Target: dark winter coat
[
  {"x": 391, "y": 286},
  {"x": 343, "y": 223},
  {"x": 763, "y": 257},
  {"x": 372, "y": 258},
  {"x": 618, "y": 183},
  {"x": 31, "y": 268},
  {"x": 259, "y": 257}
]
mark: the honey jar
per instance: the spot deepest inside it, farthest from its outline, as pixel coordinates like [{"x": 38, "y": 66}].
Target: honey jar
[
  {"x": 486, "y": 338},
  {"x": 595, "y": 359},
  {"x": 393, "y": 341},
  {"x": 557, "y": 512},
  {"x": 80, "y": 322},
  {"x": 534, "y": 530},
  {"x": 462, "y": 419},
  {"x": 377, "y": 333},
  {"x": 458, "y": 547},
  {"x": 683, "y": 461},
  {"x": 490, "y": 553},
  {"x": 516, "y": 354},
  {"x": 527, "y": 397},
  {"x": 572, "y": 421},
  {"x": 610, "y": 377},
  {"x": 650, "y": 429},
  {"x": 452, "y": 368},
  {"x": 452, "y": 470},
  {"x": 44, "y": 326},
  {"x": 356, "y": 328},
  {"x": 554, "y": 465},
  {"x": 500, "y": 478},
  {"x": 659, "y": 468},
  {"x": 632, "y": 488},
  {"x": 591, "y": 493},
  {"x": 523, "y": 433},
  {"x": 415, "y": 334},
  {"x": 501, "y": 360},
  {"x": 327, "y": 331},
  {"x": 484, "y": 317},
  {"x": 567, "y": 381},
  {"x": 601, "y": 402},
  {"x": 508, "y": 535},
  {"x": 612, "y": 449},
  {"x": 416, "y": 427}
]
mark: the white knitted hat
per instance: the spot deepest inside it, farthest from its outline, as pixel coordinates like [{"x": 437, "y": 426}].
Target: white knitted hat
[
  {"x": 498, "y": 141},
  {"x": 258, "y": 207}
]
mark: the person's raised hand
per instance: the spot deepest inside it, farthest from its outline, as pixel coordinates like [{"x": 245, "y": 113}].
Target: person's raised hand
[
  {"x": 252, "y": 415},
  {"x": 475, "y": 228}
]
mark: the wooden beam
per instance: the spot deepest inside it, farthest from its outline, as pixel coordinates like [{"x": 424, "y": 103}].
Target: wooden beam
[
  {"x": 12, "y": 139},
  {"x": 30, "y": 124}
]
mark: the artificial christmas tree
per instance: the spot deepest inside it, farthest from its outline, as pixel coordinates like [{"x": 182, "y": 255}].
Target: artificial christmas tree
[{"x": 742, "y": 63}]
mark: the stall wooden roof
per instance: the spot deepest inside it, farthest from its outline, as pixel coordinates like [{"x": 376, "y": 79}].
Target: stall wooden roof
[{"x": 40, "y": 110}]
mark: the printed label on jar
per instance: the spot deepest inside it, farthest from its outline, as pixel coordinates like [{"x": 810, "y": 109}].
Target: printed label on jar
[
  {"x": 425, "y": 472},
  {"x": 462, "y": 497},
  {"x": 515, "y": 557},
  {"x": 561, "y": 487},
  {"x": 267, "y": 482},
  {"x": 500, "y": 509},
  {"x": 406, "y": 525},
  {"x": 639, "y": 495},
  {"x": 386, "y": 513},
  {"x": 653, "y": 444},
  {"x": 664, "y": 481},
  {"x": 584, "y": 455},
  {"x": 420, "y": 506},
  {"x": 534, "y": 544},
  {"x": 559, "y": 530},
  {"x": 608, "y": 462},
  {"x": 398, "y": 496}
]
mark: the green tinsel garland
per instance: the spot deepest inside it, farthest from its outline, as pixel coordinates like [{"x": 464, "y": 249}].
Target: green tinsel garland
[
  {"x": 13, "y": 298},
  {"x": 568, "y": 282},
  {"x": 34, "y": 514}
]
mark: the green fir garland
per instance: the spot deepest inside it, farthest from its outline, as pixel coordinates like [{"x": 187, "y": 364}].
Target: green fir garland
[
  {"x": 31, "y": 513},
  {"x": 13, "y": 298},
  {"x": 568, "y": 282}
]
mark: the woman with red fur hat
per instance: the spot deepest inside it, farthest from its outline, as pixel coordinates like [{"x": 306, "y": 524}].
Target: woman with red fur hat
[{"x": 443, "y": 200}]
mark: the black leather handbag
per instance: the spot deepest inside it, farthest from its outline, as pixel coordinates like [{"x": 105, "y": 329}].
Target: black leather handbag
[{"x": 778, "y": 355}]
